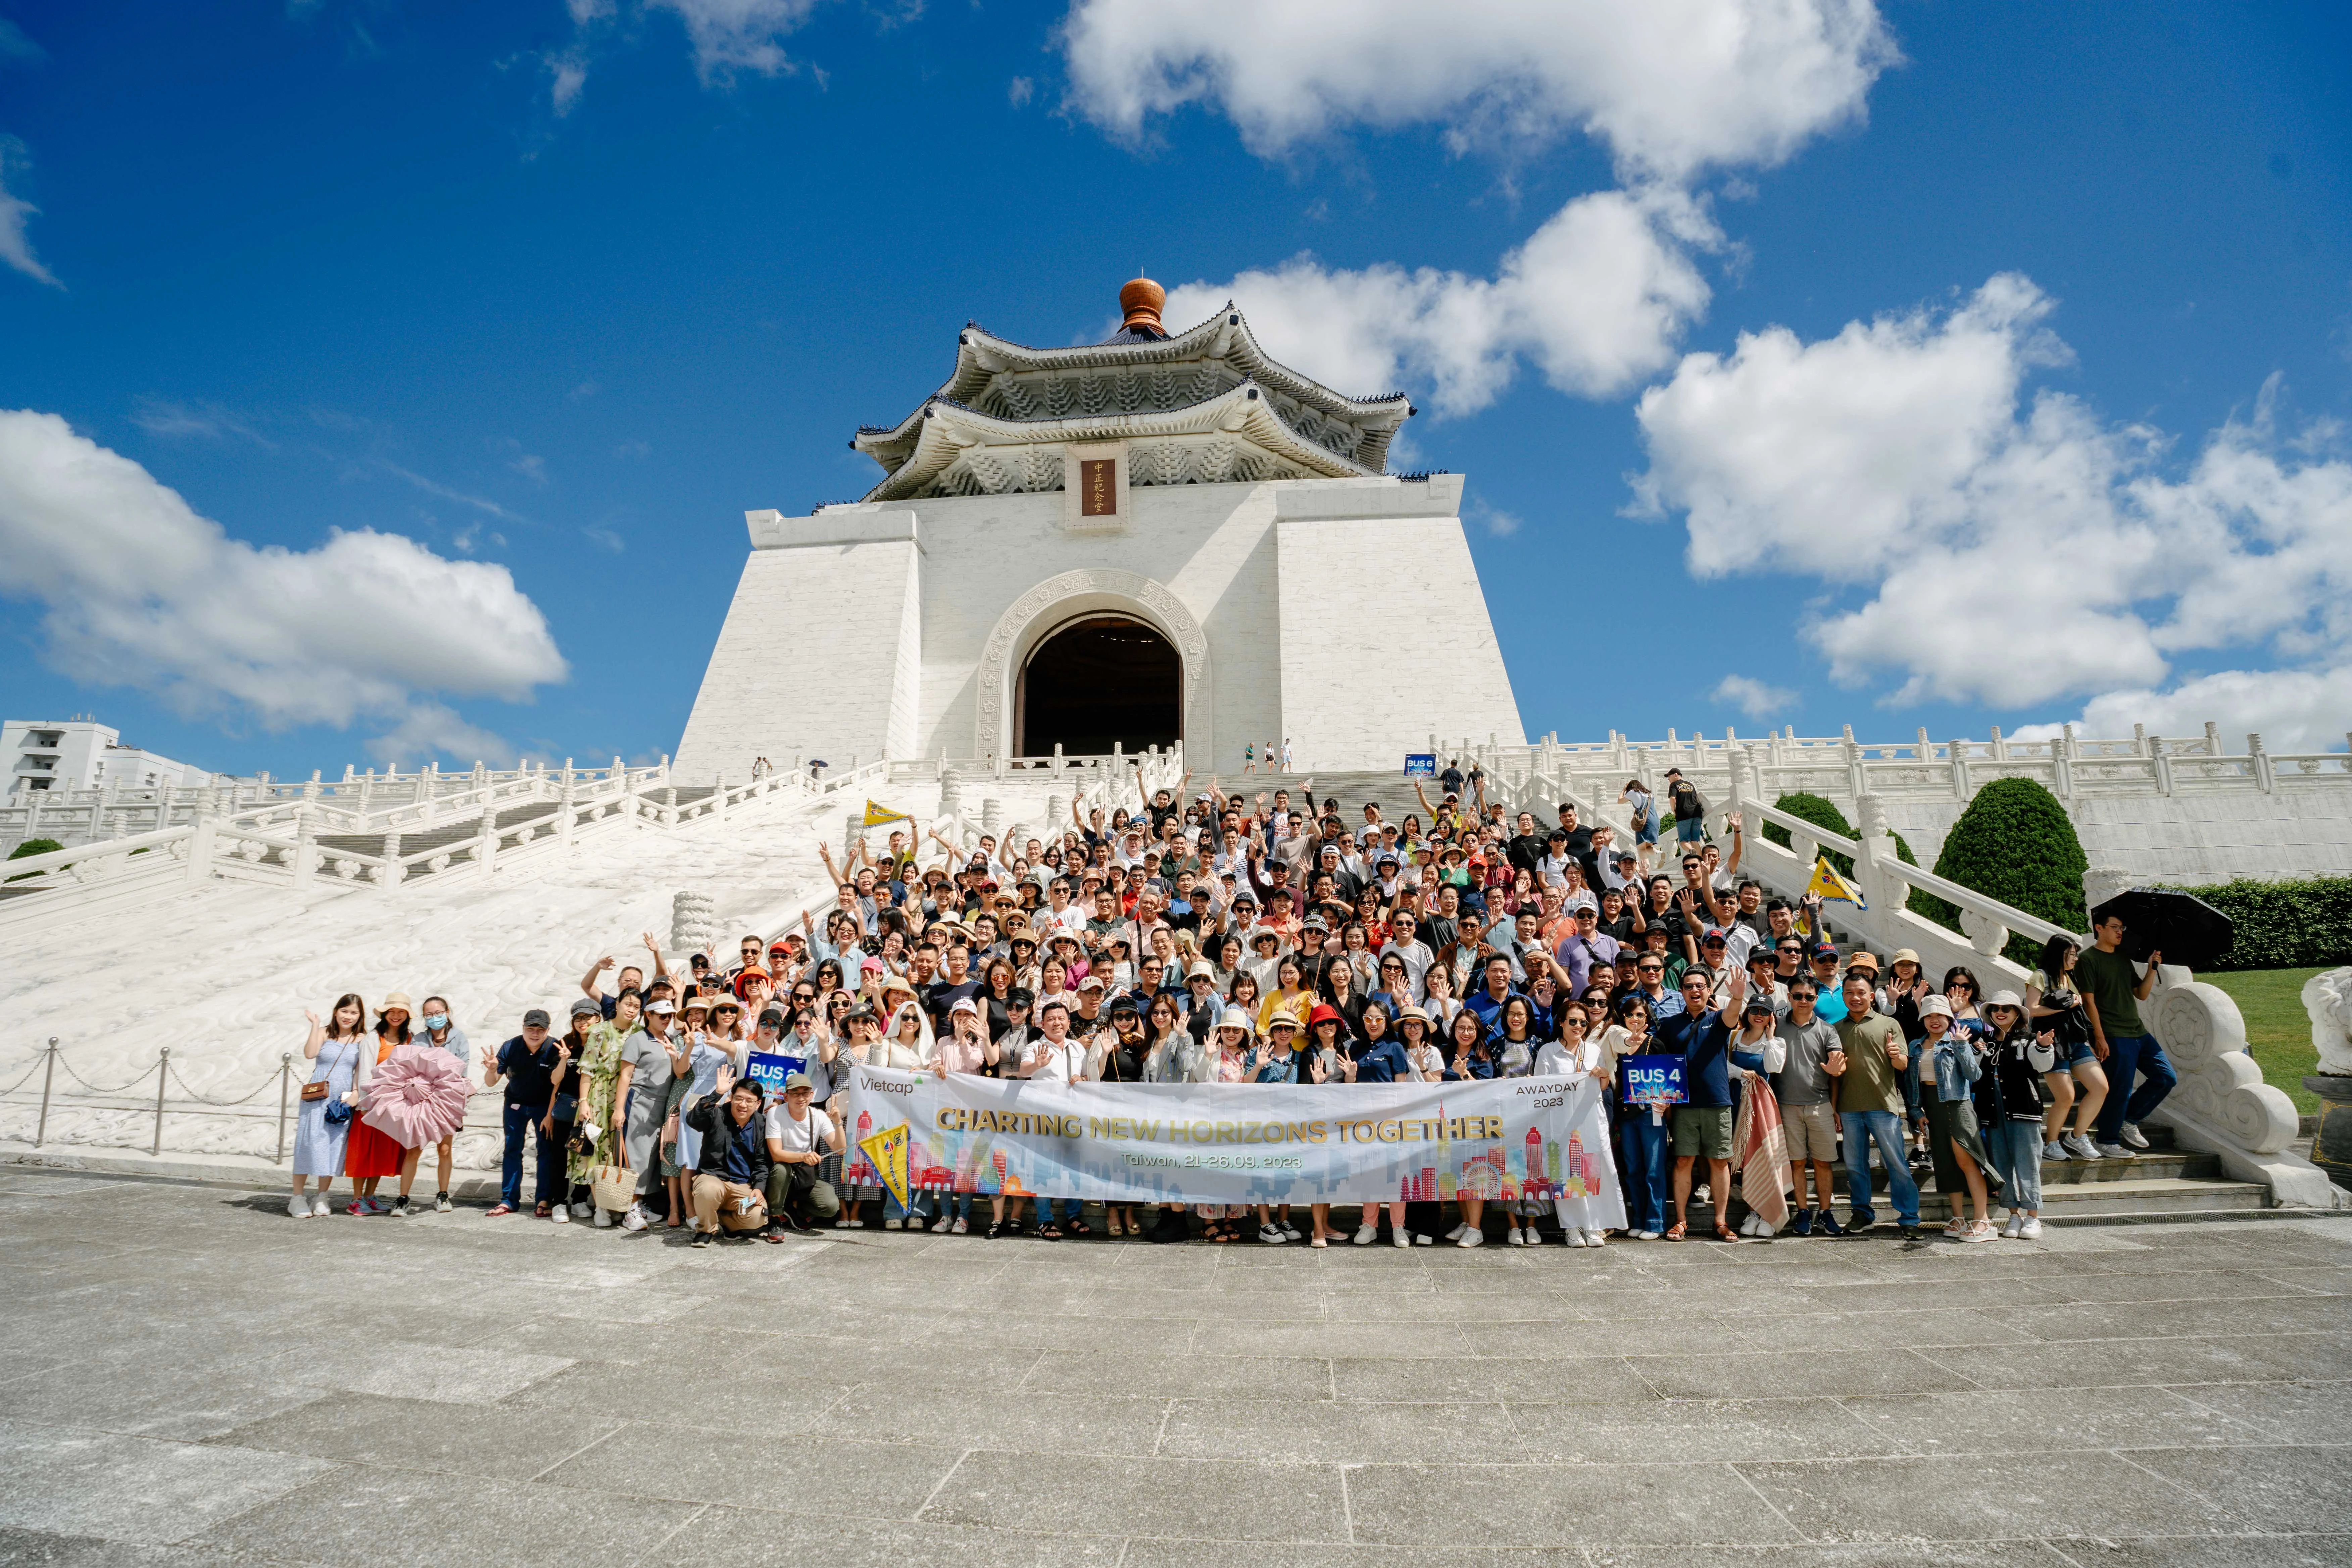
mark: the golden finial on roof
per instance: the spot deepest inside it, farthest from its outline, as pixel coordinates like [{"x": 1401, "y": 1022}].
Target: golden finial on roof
[{"x": 1140, "y": 300}]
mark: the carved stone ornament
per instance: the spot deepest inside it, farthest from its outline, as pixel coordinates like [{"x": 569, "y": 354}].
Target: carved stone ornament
[
  {"x": 1036, "y": 611},
  {"x": 2202, "y": 1031},
  {"x": 2327, "y": 998}
]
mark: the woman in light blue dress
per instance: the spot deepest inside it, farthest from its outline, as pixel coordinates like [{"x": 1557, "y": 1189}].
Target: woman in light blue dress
[{"x": 342, "y": 1056}]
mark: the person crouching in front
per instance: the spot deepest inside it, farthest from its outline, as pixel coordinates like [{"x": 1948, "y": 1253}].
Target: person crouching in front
[{"x": 730, "y": 1180}]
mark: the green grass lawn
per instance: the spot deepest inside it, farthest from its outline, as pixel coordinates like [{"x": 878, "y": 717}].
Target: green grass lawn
[{"x": 2278, "y": 1031}]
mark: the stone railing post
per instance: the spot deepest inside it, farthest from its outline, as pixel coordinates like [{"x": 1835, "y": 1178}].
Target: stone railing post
[
  {"x": 2212, "y": 739},
  {"x": 568, "y": 824},
  {"x": 306, "y": 849},
  {"x": 388, "y": 879},
  {"x": 1877, "y": 842},
  {"x": 718, "y": 800},
  {"x": 2162, "y": 762},
  {"x": 2264, "y": 776},
  {"x": 202, "y": 835},
  {"x": 2062, "y": 768},
  {"x": 485, "y": 841}
]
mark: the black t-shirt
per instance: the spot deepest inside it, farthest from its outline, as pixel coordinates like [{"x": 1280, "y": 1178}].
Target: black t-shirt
[
  {"x": 530, "y": 1075},
  {"x": 1451, "y": 779},
  {"x": 943, "y": 995},
  {"x": 1684, "y": 797}
]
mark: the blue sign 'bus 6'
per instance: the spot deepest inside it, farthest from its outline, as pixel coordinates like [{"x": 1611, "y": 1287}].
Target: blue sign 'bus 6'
[{"x": 1421, "y": 765}]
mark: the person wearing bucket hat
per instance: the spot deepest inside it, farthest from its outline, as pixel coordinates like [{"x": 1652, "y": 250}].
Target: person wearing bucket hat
[
  {"x": 2011, "y": 1098},
  {"x": 1951, "y": 1066},
  {"x": 373, "y": 1154}
]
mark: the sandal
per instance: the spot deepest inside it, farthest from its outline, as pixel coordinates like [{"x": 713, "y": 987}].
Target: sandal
[
  {"x": 1111, "y": 1225},
  {"x": 539, "y": 1211},
  {"x": 1049, "y": 1233},
  {"x": 1078, "y": 1227},
  {"x": 1677, "y": 1231},
  {"x": 995, "y": 1229},
  {"x": 1725, "y": 1233}
]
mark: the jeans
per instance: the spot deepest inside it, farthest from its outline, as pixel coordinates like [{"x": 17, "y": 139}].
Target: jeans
[
  {"x": 2127, "y": 1054},
  {"x": 1885, "y": 1128},
  {"x": 1070, "y": 1208},
  {"x": 2016, "y": 1148},
  {"x": 1647, "y": 1194},
  {"x": 524, "y": 1120}
]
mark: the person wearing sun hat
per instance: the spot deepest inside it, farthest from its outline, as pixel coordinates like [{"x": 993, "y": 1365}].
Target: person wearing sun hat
[
  {"x": 373, "y": 1154},
  {"x": 647, "y": 1070}
]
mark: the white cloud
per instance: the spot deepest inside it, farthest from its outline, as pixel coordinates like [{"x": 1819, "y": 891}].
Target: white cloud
[
  {"x": 16, "y": 246},
  {"x": 1752, "y": 697},
  {"x": 1597, "y": 298},
  {"x": 1020, "y": 91},
  {"x": 16, "y": 47},
  {"x": 158, "y": 417},
  {"x": 2014, "y": 550},
  {"x": 730, "y": 35},
  {"x": 531, "y": 466},
  {"x": 2290, "y": 709},
  {"x": 138, "y": 590},
  {"x": 430, "y": 730},
  {"x": 1671, "y": 87},
  {"x": 435, "y": 488}
]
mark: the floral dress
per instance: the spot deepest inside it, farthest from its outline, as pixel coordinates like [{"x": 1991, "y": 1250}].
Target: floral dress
[{"x": 595, "y": 1073}]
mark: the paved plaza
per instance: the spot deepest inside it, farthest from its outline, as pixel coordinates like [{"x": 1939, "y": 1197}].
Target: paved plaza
[{"x": 191, "y": 1378}]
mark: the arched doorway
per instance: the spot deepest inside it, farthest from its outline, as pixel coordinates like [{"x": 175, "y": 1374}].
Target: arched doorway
[{"x": 1099, "y": 679}]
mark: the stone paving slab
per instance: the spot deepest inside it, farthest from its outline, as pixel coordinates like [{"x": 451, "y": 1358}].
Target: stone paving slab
[{"x": 189, "y": 1379}]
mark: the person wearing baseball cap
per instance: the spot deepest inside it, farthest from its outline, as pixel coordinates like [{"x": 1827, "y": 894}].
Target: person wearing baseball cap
[
  {"x": 799, "y": 1137},
  {"x": 527, "y": 1064},
  {"x": 646, "y": 1073}
]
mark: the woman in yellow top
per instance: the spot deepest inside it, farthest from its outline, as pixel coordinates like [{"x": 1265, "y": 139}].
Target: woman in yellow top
[{"x": 1290, "y": 996}]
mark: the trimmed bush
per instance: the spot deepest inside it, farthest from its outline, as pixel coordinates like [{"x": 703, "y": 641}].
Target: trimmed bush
[
  {"x": 32, "y": 847},
  {"x": 2016, "y": 844},
  {"x": 2284, "y": 925},
  {"x": 1823, "y": 814}
]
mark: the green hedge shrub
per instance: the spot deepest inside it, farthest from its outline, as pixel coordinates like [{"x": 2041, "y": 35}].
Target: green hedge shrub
[
  {"x": 1823, "y": 814},
  {"x": 32, "y": 847},
  {"x": 2284, "y": 925},
  {"x": 2015, "y": 843}
]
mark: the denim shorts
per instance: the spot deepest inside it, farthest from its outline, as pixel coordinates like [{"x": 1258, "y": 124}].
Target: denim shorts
[{"x": 2079, "y": 1053}]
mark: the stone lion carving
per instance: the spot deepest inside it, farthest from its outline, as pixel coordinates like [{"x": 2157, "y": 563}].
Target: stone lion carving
[{"x": 2328, "y": 999}]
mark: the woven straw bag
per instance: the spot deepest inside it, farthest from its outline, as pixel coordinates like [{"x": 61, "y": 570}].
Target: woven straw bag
[{"x": 614, "y": 1187}]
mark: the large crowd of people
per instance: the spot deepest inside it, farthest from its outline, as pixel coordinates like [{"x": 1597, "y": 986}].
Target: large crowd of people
[{"x": 1266, "y": 938}]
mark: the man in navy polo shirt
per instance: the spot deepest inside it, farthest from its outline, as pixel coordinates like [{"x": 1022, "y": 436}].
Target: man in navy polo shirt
[{"x": 1702, "y": 1037}]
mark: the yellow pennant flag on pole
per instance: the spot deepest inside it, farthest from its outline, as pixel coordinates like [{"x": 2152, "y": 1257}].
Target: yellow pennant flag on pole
[
  {"x": 1831, "y": 887},
  {"x": 877, "y": 813},
  {"x": 887, "y": 1150}
]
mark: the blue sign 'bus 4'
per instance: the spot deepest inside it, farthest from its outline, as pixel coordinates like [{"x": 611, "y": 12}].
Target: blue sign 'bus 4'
[
  {"x": 769, "y": 1071},
  {"x": 1654, "y": 1081}
]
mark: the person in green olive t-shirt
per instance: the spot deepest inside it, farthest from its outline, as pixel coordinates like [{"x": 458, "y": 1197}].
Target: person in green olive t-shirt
[
  {"x": 1868, "y": 1065},
  {"x": 2113, "y": 988}
]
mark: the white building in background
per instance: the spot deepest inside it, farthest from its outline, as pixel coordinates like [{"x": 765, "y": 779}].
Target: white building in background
[
  {"x": 1143, "y": 541},
  {"x": 80, "y": 753}
]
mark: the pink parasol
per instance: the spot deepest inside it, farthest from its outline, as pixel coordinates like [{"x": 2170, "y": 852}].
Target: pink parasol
[{"x": 417, "y": 1096}]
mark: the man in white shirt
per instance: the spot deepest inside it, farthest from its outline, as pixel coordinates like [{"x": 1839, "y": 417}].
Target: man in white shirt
[
  {"x": 1406, "y": 945},
  {"x": 799, "y": 1138},
  {"x": 1054, "y": 1058}
]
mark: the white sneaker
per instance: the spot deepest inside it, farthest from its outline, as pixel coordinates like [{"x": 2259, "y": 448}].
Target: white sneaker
[
  {"x": 899, "y": 1224},
  {"x": 1596, "y": 1238},
  {"x": 1271, "y": 1235},
  {"x": 562, "y": 1215},
  {"x": 635, "y": 1219},
  {"x": 2030, "y": 1230},
  {"x": 1573, "y": 1236},
  {"x": 1512, "y": 1236},
  {"x": 298, "y": 1207},
  {"x": 1401, "y": 1239},
  {"x": 1291, "y": 1231},
  {"x": 583, "y": 1211},
  {"x": 1751, "y": 1225},
  {"x": 1366, "y": 1234},
  {"x": 2080, "y": 1146},
  {"x": 1471, "y": 1238},
  {"x": 603, "y": 1220},
  {"x": 320, "y": 1208},
  {"x": 1645, "y": 1236},
  {"x": 2133, "y": 1137},
  {"x": 1424, "y": 1241},
  {"x": 960, "y": 1228},
  {"x": 1457, "y": 1232},
  {"x": 2016, "y": 1223},
  {"x": 2055, "y": 1150},
  {"x": 2114, "y": 1152},
  {"x": 945, "y": 1224}
]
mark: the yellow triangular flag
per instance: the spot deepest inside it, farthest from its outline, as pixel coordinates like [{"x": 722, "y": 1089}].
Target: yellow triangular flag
[
  {"x": 888, "y": 1151},
  {"x": 877, "y": 813},
  {"x": 1832, "y": 887}
]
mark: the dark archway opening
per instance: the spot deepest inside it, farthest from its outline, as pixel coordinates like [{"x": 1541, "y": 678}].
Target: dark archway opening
[{"x": 1098, "y": 681}]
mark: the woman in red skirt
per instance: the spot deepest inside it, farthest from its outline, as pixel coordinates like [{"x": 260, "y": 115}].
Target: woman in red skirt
[{"x": 372, "y": 1155}]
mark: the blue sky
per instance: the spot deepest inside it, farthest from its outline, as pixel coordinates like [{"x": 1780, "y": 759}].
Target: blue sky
[{"x": 1976, "y": 365}]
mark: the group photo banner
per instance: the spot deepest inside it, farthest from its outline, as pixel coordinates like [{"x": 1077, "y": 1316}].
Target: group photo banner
[{"x": 1525, "y": 1138}]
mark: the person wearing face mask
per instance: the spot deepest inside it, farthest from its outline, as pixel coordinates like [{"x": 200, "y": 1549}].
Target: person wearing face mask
[{"x": 435, "y": 1030}]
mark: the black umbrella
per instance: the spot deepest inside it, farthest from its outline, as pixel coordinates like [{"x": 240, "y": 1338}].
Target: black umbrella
[{"x": 2185, "y": 929}]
